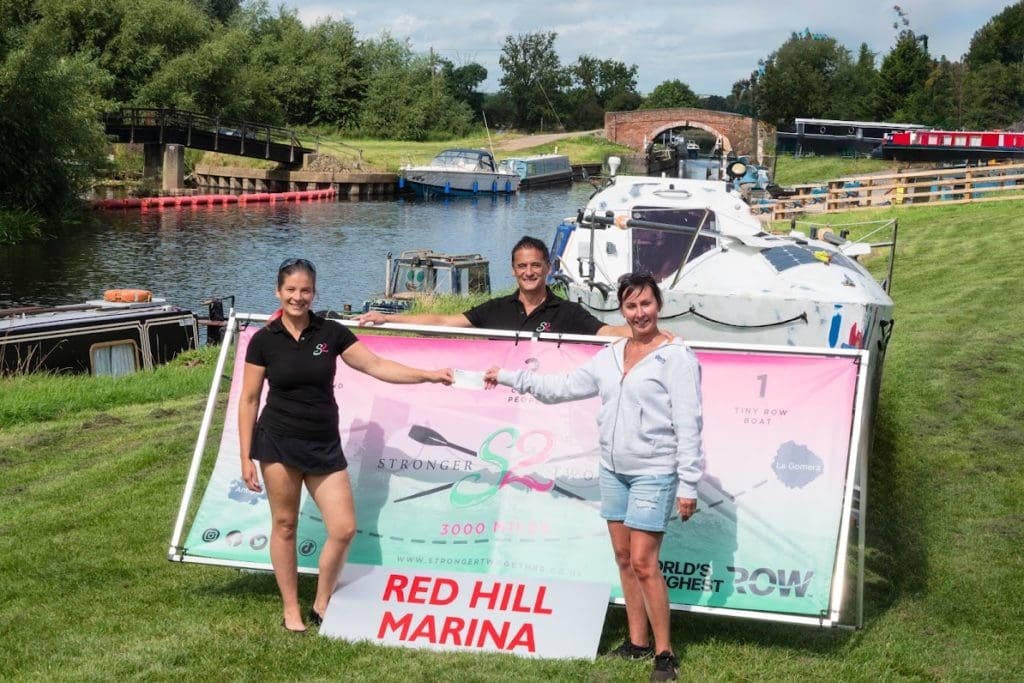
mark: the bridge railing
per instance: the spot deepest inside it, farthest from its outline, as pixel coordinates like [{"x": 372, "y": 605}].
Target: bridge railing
[{"x": 244, "y": 133}]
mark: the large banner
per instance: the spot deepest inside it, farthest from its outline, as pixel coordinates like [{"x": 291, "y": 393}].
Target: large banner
[{"x": 496, "y": 482}]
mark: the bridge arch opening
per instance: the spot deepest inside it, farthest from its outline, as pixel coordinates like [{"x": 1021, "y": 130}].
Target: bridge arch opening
[{"x": 722, "y": 138}]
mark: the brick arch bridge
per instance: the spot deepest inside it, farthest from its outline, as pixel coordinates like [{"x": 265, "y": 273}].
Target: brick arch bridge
[{"x": 637, "y": 129}]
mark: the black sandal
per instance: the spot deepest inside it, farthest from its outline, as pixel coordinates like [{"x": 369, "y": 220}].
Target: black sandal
[{"x": 314, "y": 617}]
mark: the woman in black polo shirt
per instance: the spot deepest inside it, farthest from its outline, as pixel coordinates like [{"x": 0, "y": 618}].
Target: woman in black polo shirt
[{"x": 296, "y": 438}]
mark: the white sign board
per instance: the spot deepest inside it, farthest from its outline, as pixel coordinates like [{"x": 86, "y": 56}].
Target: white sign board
[{"x": 469, "y": 612}]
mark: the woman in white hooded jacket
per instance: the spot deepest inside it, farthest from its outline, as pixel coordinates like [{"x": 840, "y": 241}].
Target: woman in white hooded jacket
[{"x": 651, "y": 454}]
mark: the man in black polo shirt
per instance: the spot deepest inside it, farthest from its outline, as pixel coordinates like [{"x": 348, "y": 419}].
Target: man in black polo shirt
[{"x": 531, "y": 308}]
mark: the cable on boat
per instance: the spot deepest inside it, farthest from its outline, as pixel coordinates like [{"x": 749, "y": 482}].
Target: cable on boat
[{"x": 802, "y": 316}]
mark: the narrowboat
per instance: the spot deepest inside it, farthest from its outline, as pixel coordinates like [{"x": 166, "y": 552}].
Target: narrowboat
[
  {"x": 539, "y": 170},
  {"x": 102, "y": 337},
  {"x": 953, "y": 145},
  {"x": 836, "y": 137}
]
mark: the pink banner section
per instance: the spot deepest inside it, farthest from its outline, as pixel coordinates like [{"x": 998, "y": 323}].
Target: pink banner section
[{"x": 494, "y": 482}]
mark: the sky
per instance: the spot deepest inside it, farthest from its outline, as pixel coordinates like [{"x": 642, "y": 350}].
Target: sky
[{"x": 707, "y": 45}]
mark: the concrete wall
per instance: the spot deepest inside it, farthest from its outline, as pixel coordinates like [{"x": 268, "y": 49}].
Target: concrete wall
[
  {"x": 349, "y": 183},
  {"x": 174, "y": 168}
]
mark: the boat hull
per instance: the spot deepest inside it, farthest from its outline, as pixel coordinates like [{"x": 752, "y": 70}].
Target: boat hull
[
  {"x": 748, "y": 319},
  {"x": 447, "y": 183},
  {"x": 546, "y": 180}
]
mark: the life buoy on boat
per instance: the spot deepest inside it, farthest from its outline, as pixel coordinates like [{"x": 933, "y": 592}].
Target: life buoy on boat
[{"x": 127, "y": 296}]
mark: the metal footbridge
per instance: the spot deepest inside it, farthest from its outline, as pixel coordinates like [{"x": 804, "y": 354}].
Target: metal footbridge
[{"x": 213, "y": 134}]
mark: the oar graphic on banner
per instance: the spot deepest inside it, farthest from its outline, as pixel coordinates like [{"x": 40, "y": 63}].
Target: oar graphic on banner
[{"x": 430, "y": 437}]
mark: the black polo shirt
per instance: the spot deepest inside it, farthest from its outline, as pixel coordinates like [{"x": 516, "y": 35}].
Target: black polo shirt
[
  {"x": 301, "y": 376},
  {"x": 554, "y": 315}
]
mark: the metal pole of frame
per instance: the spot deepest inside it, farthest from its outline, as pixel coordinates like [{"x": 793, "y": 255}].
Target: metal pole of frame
[
  {"x": 173, "y": 553},
  {"x": 862, "y": 524}
]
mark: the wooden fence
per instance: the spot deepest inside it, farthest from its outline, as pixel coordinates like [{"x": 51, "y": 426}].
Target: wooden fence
[{"x": 962, "y": 185}]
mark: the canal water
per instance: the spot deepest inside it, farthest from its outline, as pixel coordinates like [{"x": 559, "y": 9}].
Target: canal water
[{"x": 186, "y": 255}]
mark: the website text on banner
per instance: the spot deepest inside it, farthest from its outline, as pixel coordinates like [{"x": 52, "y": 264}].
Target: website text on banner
[{"x": 496, "y": 482}]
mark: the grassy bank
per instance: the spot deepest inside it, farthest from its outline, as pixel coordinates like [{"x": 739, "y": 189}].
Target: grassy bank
[
  {"x": 93, "y": 470},
  {"x": 582, "y": 148},
  {"x": 792, "y": 171},
  {"x": 390, "y": 155}
]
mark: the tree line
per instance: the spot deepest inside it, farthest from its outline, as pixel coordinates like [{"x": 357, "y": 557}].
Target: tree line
[
  {"x": 813, "y": 76},
  {"x": 64, "y": 62}
]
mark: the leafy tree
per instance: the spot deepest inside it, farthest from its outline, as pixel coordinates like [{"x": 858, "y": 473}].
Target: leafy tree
[
  {"x": 313, "y": 73},
  {"x": 741, "y": 97},
  {"x": 463, "y": 82},
  {"x": 14, "y": 16},
  {"x": 216, "y": 80},
  {"x": 53, "y": 138},
  {"x": 499, "y": 110},
  {"x": 801, "y": 79},
  {"x": 130, "y": 39},
  {"x": 945, "y": 94},
  {"x": 533, "y": 77},
  {"x": 994, "y": 94},
  {"x": 219, "y": 10},
  {"x": 1001, "y": 39},
  {"x": 714, "y": 103},
  {"x": 407, "y": 98},
  {"x": 670, "y": 94},
  {"x": 857, "y": 99},
  {"x": 597, "y": 86},
  {"x": 901, "y": 89}
]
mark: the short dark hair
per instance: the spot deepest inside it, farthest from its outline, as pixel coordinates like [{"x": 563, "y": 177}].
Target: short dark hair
[
  {"x": 634, "y": 282},
  {"x": 292, "y": 265},
  {"x": 527, "y": 242}
]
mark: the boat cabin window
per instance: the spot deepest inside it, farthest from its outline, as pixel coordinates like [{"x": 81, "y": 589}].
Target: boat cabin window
[
  {"x": 465, "y": 160},
  {"x": 416, "y": 279},
  {"x": 115, "y": 359},
  {"x": 477, "y": 279},
  {"x": 411, "y": 280},
  {"x": 661, "y": 252}
]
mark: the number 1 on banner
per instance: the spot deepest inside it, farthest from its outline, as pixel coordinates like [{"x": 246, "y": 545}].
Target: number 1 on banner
[{"x": 764, "y": 384}]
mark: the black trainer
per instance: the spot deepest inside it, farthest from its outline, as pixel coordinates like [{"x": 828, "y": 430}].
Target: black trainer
[
  {"x": 666, "y": 667},
  {"x": 630, "y": 651}
]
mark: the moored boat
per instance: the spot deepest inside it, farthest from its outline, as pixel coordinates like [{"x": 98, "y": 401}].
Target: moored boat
[
  {"x": 953, "y": 145},
  {"x": 459, "y": 172},
  {"x": 116, "y": 337},
  {"x": 419, "y": 273},
  {"x": 539, "y": 170},
  {"x": 723, "y": 277}
]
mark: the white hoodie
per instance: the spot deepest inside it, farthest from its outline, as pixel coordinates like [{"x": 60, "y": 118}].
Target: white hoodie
[{"x": 650, "y": 419}]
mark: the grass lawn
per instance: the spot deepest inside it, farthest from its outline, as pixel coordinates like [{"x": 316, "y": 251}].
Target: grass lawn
[
  {"x": 93, "y": 471},
  {"x": 792, "y": 171}
]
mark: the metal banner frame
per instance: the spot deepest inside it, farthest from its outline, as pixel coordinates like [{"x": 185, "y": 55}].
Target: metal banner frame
[{"x": 854, "y": 507}]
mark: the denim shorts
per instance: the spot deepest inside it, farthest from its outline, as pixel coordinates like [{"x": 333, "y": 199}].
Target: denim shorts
[{"x": 641, "y": 501}]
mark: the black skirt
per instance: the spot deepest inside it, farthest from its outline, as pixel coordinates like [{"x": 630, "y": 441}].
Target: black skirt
[{"x": 309, "y": 456}]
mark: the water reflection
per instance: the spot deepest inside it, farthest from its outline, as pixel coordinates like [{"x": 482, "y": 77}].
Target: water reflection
[{"x": 188, "y": 254}]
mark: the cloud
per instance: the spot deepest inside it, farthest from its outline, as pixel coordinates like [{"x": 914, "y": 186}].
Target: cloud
[{"x": 707, "y": 45}]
